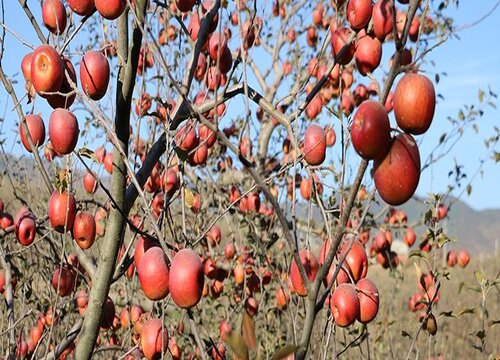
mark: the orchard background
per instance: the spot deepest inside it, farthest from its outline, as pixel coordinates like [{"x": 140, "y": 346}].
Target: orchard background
[{"x": 248, "y": 179}]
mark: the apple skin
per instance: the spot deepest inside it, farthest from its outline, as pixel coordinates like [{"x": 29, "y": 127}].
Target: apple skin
[
  {"x": 64, "y": 101},
  {"x": 314, "y": 145},
  {"x": 89, "y": 182},
  {"x": 110, "y": 9},
  {"x": 64, "y": 278},
  {"x": 452, "y": 258},
  {"x": 36, "y": 128},
  {"x": 186, "y": 138},
  {"x": 84, "y": 230},
  {"x": 382, "y": 18},
  {"x": 368, "y": 54},
  {"x": 369, "y": 299},
  {"x": 409, "y": 237},
  {"x": 154, "y": 273},
  {"x": 47, "y": 70},
  {"x": 463, "y": 258},
  {"x": 397, "y": 173},
  {"x": 185, "y": 5},
  {"x": 62, "y": 205},
  {"x": 344, "y": 305},
  {"x": 310, "y": 265},
  {"x": 63, "y": 131},
  {"x": 25, "y": 227},
  {"x": 339, "y": 39},
  {"x": 186, "y": 279},
  {"x": 370, "y": 130},
  {"x": 414, "y": 103},
  {"x": 94, "y": 74},
  {"x": 359, "y": 13},
  {"x": 143, "y": 245},
  {"x": 356, "y": 260},
  {"x": 54, "y": 16},
  {"x": 26, "y": 66},
  {"x": 154, "y": 339},
  {"x": 81, "y": 7}
]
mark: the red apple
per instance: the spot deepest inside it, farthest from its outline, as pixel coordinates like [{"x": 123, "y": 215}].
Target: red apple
[
  {"x": 186, "y": 279},
  {"x": 369, "y": 298},
  {"x": 368, "y": 54},
  {"x": 185, "y": 5},
  {"x": 397, "y": 173},
  {"x": 359, "y": 13},
  {"x": 356, "y": 260},
  {"x": 47, "y": 70},
  {"x": 452, "y": 258},
  {"x": 153, "y": 274},
  {"x": 186, "y": 138},
  {"x": 370, "y": 130},
  {"x": 81, "y": 7},
  {"x": 66, "y": 98},
  {"x": 310, "y": 265},
  {"x": 94, "y": 74},
  {"x": 382, "y": 18},
  {"x": 344, "y": 305},
  {"x": 154, "y": 339},
  {"x": 110, "y": 9},
  {"x": 409, "y": 237},
  {"x": 25, "y": 227},
  {"x": 339, "y": 40},
  {"x": 36, "y": 128},
  {"x": 62, "y": 211},
  {"x": 314, "y": 145},
  {"x": 414, "y": 103},
  {"x": 84, "y": 230},
  {"x": 54, "y": 16},
  {"x": 89, "y": 182},
  {"x": 63, "y": 280},
  {"x": 463, "y": 258},
  {"x": 26, "y": 66},
  {"x": 63, "y": 131}
]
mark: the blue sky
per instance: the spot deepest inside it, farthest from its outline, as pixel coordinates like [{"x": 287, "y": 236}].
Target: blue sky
[{"x": 472, "y": 62}]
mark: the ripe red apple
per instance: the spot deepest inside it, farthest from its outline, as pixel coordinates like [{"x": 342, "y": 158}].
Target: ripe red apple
[
  {"x": 186, "y": 138},
  {"x": 94, "y": 74},
  {"x": 409, "y": 237},
  {"x": 356, "y": 260},
  {"x": 54, "y": 16},
  {"x": 463, "y": 258},
  {"x": 382, "y": 18},
  {"x": 153, "y": 274},
  {"x": 359, "y": 13},
  {"x": 310, "y": 265},
  {"x": 25, "y": 227},
  {"x": 186, "y": 279},
  {"x": 330, "y": 136},
  {"x": 6, "y": 220},
  {"x": 110, "y": 9},
  {"x": 154, "y": 339},
  {"x": 314, "y": 145},
  {"x": 81, "y": 7},
  {"x": 229, "y": 251},
  {"x": 63, "y": 280},
  {"x": 414, "y": 103},
  {"x": 62, "y": 211},
  {"x": 63, "y": 131},
  {"x": 47, "y": 70},
  {"x": 452, "y": 258},
  {"x": 89, "y": 182},
  {"x": 369, "y": 298},
  {"x": 26, "y": 66},
  {"x": 84, "y": 230},
  {"x": 339, "y": 40},
  {"x": 368, "y": 54},
  {"x": 442, "y": 211},
  {"x": 108, "y": 162},
  {"x": 344, "y": 305},
  {"x": 66, "y": 98},
  {"x": 397, "y": 173},
  {"x": 185, "y": 5},
  {"x": 370, "y": 130},
  {"x": 207, "y": 136},
  {"x": 214, "y": 236},
  {"x": 36, "y": 128},
  {"x": 216, "y": 45}
]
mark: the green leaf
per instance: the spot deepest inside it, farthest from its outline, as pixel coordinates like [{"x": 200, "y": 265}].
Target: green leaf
[
  {"x": 87, "y": 153},
  {"x": 479, "y": 276},
  {"x": 284, "y": 352},
  {"x": 248, "y": 331},
  {"x": 442, "y": 239},
  {"x": 417, "y": 253},
  {"x": 481, "y": 96}
]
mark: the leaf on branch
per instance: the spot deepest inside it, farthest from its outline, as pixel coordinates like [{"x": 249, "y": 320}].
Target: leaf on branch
[
  {"x": 248, "y": 331},
  {"x": 237, "y": 345},
  {"x": 479, "y": 276},
  {"x": 417, "y": 253},
  {"x": 284, "y": 352},
  {"x": 481, "y": 95},
  {"x": 188, "y": 198},
  {"x": 87, "y": 153}
]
